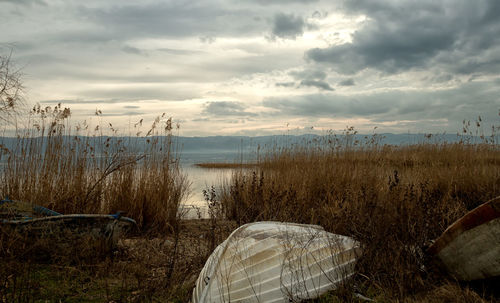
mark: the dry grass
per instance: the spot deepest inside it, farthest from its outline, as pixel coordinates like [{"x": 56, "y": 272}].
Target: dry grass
[
  {"x": 394, "y": 200},
  {"x": 82, "y": 171},
  {"x": 163, "y": 268}
]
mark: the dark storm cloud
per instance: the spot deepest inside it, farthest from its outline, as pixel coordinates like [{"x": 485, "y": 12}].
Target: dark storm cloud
[
  {"x": 281, "y": 2},
  {"x": 128, "y": 113},
  {"x": 347, "y": 82},
  {"x": 133, "y": 93},
  {"x": 326, "y": 105},
  {"x": 439, "y": 78},
  {"x": 311, "y": 78},
  {"x": 207, "y": 39},
  {"x": 253, "y": 64},
  {"x": 285, "y": 84},
  {"x": 288, "y": 26},
  {"x": 82, "y": 37},
  {"x": 308, "y": 74},
  {"x": 171, "y": 51},
  {"x": 172, "y": 19},
  {"x": 104, "y": 52},
  {"x": 200, "y": 120},
  {"x": 180, "y": 52},
  {"x": 226, "y": 108},
  {"x": 316, "y": 83},
  {"x": 401, "y": 35},
  {"x": 24, "y": 2},
  {"x": 132, "y": 50},
  {"x": 452, "y": 104},
  {"x": 89, "y": 69}
]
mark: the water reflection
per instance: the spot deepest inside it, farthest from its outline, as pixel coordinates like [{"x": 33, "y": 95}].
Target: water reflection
[{"x": 203, "y": 178}]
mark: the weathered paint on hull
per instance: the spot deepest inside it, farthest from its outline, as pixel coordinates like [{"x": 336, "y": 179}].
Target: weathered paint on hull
[
  {"x": 276, "y": 262},
  {"x": 470, "y": 247}
]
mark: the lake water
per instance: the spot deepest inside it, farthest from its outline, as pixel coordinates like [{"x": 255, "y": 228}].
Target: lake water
[{"x": 203, "y": 178}]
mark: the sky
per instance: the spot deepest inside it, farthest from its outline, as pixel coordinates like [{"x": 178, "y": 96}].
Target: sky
[{"x": 260, "y": 67}]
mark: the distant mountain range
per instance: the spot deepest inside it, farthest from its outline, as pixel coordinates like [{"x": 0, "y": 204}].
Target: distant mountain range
[
  {"x": 230, "y": 148},
  {"x": 244, "y": 143}
]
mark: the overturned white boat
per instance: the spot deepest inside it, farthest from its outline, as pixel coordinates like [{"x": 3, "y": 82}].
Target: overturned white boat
[{"x": 276, "y": 262}]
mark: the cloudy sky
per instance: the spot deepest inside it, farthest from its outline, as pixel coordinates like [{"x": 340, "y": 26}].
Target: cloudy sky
[{"x": 255, "y": 67}]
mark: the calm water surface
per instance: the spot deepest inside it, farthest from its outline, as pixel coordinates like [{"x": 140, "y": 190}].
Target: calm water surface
[{"x": 203, "y": 178}]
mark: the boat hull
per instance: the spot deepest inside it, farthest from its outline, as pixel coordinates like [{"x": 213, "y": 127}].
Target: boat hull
[
  {"x": 276, "y": 262},
  {"x": 470, "y": 248},
  {"x": 103, "y": 227}
]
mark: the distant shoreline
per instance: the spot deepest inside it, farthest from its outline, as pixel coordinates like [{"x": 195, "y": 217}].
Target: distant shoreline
[{"x": 218, "y": 165}]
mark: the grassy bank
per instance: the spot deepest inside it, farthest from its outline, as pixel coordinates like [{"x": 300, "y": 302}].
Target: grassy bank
[
  {"x": 79, "y": 170},
  {"x": 144, "y": 268},
  {"x": 394, "y": 200}
]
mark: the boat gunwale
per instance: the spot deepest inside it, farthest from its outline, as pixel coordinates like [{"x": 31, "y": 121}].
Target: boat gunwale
[
  {"x": 71, "y": 216},
  {"x": 480, "y": 215}
]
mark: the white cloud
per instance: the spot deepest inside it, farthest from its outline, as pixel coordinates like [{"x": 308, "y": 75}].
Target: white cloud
[{"x": 394, "y": 64}]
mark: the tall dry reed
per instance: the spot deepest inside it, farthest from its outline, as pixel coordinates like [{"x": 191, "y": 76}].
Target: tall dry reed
[
  {"x": 393, "y": 199},
  {"x": 80, "y": 170}
]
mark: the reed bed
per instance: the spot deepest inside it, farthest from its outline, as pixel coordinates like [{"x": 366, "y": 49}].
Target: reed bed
[
  {"x": 80, "y": 170},
  {"x": 393, "y": 199}
]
